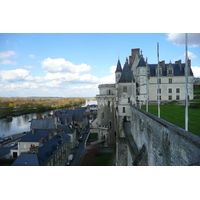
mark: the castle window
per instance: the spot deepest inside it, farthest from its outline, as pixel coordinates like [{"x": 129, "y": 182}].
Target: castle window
[
  {"x": 170, "y": 97},
  {"x": 170, "y": 72},
  {"x": 170, "y": 90},
  {"x": 108, "y": 104},
  {"x": 177, "y": 97},
  {"x": 124, "y": 110},
  {"x": 177, "y": 90},
  {"x": 129, "y": 100},
  {"x": 159, "y": 97},
  {"x": 170, "y": 80},
  {"x": 159, "y": 91},
  {"x": 125, "y": 89}
]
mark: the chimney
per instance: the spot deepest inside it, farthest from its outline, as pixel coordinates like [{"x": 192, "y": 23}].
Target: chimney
[
  {"x": 50, "y": 135},
  {"x": 61, "y": 132},
  {"x": 39, "y": 116},
  {"x": 162, "y": 64},
  {"x": 41, "y": 142},
  {"x": 66, "y": 120},
  {"x": 179, "y": 63},
  {"x": 55, "y": 121},
  {"x": 189, "y": 63},
  {"x": 133, "y": 54}
]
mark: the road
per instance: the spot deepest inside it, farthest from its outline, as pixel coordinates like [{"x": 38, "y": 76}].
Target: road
[
  {"x": 80, "y": 151},
  {"x": 5, "y": 150},
  {"x": 6, "y": 146}
]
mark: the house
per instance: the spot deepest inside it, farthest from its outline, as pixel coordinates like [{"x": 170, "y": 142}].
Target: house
[{"x": 52, "y": 150}]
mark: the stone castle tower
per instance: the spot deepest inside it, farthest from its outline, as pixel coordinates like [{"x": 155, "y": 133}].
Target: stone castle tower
[{"x": 136, "y": 84}]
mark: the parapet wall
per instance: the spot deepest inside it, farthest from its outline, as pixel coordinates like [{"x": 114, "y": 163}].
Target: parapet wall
[{"x": 164, "y": 143}]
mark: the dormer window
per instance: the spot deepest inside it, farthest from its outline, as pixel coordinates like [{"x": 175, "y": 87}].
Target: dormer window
[
  {"x": 160, "y": 71},
  {"x": 170, "y": 70}
]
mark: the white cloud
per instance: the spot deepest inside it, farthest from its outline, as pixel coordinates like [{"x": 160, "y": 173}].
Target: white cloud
[
  {"x": 196, "y": 71},
  {"x": 112, "y": 69},
  {"x": 61, "y": 65},
  {"x": 179, "y": 39},
  {"x": 13, "y": 75},
  {"x": 190, "y": 56},
  {"x": 25, "y": 85},
  {"x": 27, "y": 67},
  {"x": 31, "y": 56},
  {"x": 69, "y": 77},
  {"x": 8, "y": 62},
  {"x": 6, "y": 54},
  {"x": 107, "y": 79}
]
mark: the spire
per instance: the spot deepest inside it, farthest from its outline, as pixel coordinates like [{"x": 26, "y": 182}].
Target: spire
[
  {"x": 142, "y": 62},
  {"x": 119, "y": 68},
  {"x": 127, "y": 76}
]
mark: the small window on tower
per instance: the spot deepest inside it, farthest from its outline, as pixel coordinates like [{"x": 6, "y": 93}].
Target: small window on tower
[
  {"x": 125, "y": 89},
  {"x": 170, "y": 90},
  {"x": 124, "y": 110}
]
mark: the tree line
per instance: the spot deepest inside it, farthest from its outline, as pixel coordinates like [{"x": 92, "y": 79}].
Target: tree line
[{"x": 12, "y": 106}]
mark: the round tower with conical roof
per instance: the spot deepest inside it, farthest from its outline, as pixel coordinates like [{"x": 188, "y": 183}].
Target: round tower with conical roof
[
  {"x": 142, "y": 73},
  {"x": 118, "y": 71}
]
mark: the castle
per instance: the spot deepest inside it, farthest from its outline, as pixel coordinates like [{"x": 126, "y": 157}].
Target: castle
[{"x": 136, "y": 85}]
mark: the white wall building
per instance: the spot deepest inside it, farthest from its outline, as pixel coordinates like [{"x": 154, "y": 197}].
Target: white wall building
[{"x": 134, "y": 84}]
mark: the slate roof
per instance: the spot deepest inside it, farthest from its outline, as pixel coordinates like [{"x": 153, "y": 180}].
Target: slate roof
[
  {"x": 63, "y": 116},
  {"x": 66, "y": 128},
  {"x": 77, "y": 114},
  {"x": 38, "y": 134},
  {"x": 119, "y": 68},
  {"x": 46, "y": 151},
  {"x": 81, "y": 108},
  {"x": 26, "y": 160},
  {"x": 42, "y": 123},
  {"x": 127, "y": 75},
  {"x": 177, "y": 70},
  {"x": 142, "y": 63}
]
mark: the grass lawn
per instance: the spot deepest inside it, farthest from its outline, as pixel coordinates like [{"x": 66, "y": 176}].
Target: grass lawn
[
  {"x": 194, "y": 100},
  {"x": 104, "y": 159},
  {"x": 93, "y": 136},
  {"x": 175, "y": 114},
  {"x": 99, "y": 159}
]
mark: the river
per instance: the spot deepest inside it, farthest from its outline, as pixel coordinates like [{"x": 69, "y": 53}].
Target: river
[{"x": 21, "y": 123}]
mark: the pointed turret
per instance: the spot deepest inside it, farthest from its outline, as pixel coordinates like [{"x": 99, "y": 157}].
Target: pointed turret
[
  {"x": 118, "y": 71},
  {"x": 127, "y": 76},
  {"x": 142, "y": 62},
  {"x": 119, "y": 68}
]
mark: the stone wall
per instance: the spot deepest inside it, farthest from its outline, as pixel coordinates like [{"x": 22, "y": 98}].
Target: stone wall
[{"x": 161, "y": 143}]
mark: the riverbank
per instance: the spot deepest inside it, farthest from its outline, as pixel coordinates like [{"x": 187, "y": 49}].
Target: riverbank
[{"x": 16, "y": 106}]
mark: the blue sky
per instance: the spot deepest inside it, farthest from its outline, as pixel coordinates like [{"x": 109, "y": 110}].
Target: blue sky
[{"x": 73, "y": 64}]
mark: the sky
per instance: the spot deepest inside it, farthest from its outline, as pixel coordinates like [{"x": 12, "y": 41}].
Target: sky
[
  {"x": 67, "y": 49},
  {"x": 74, "y": 64}
]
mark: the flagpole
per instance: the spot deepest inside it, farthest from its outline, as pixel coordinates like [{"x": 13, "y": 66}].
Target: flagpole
[
  {"x": 186, "y": 83},
  {"x": 147, "y": 88},
  {"x": 158, "y": 71}
]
